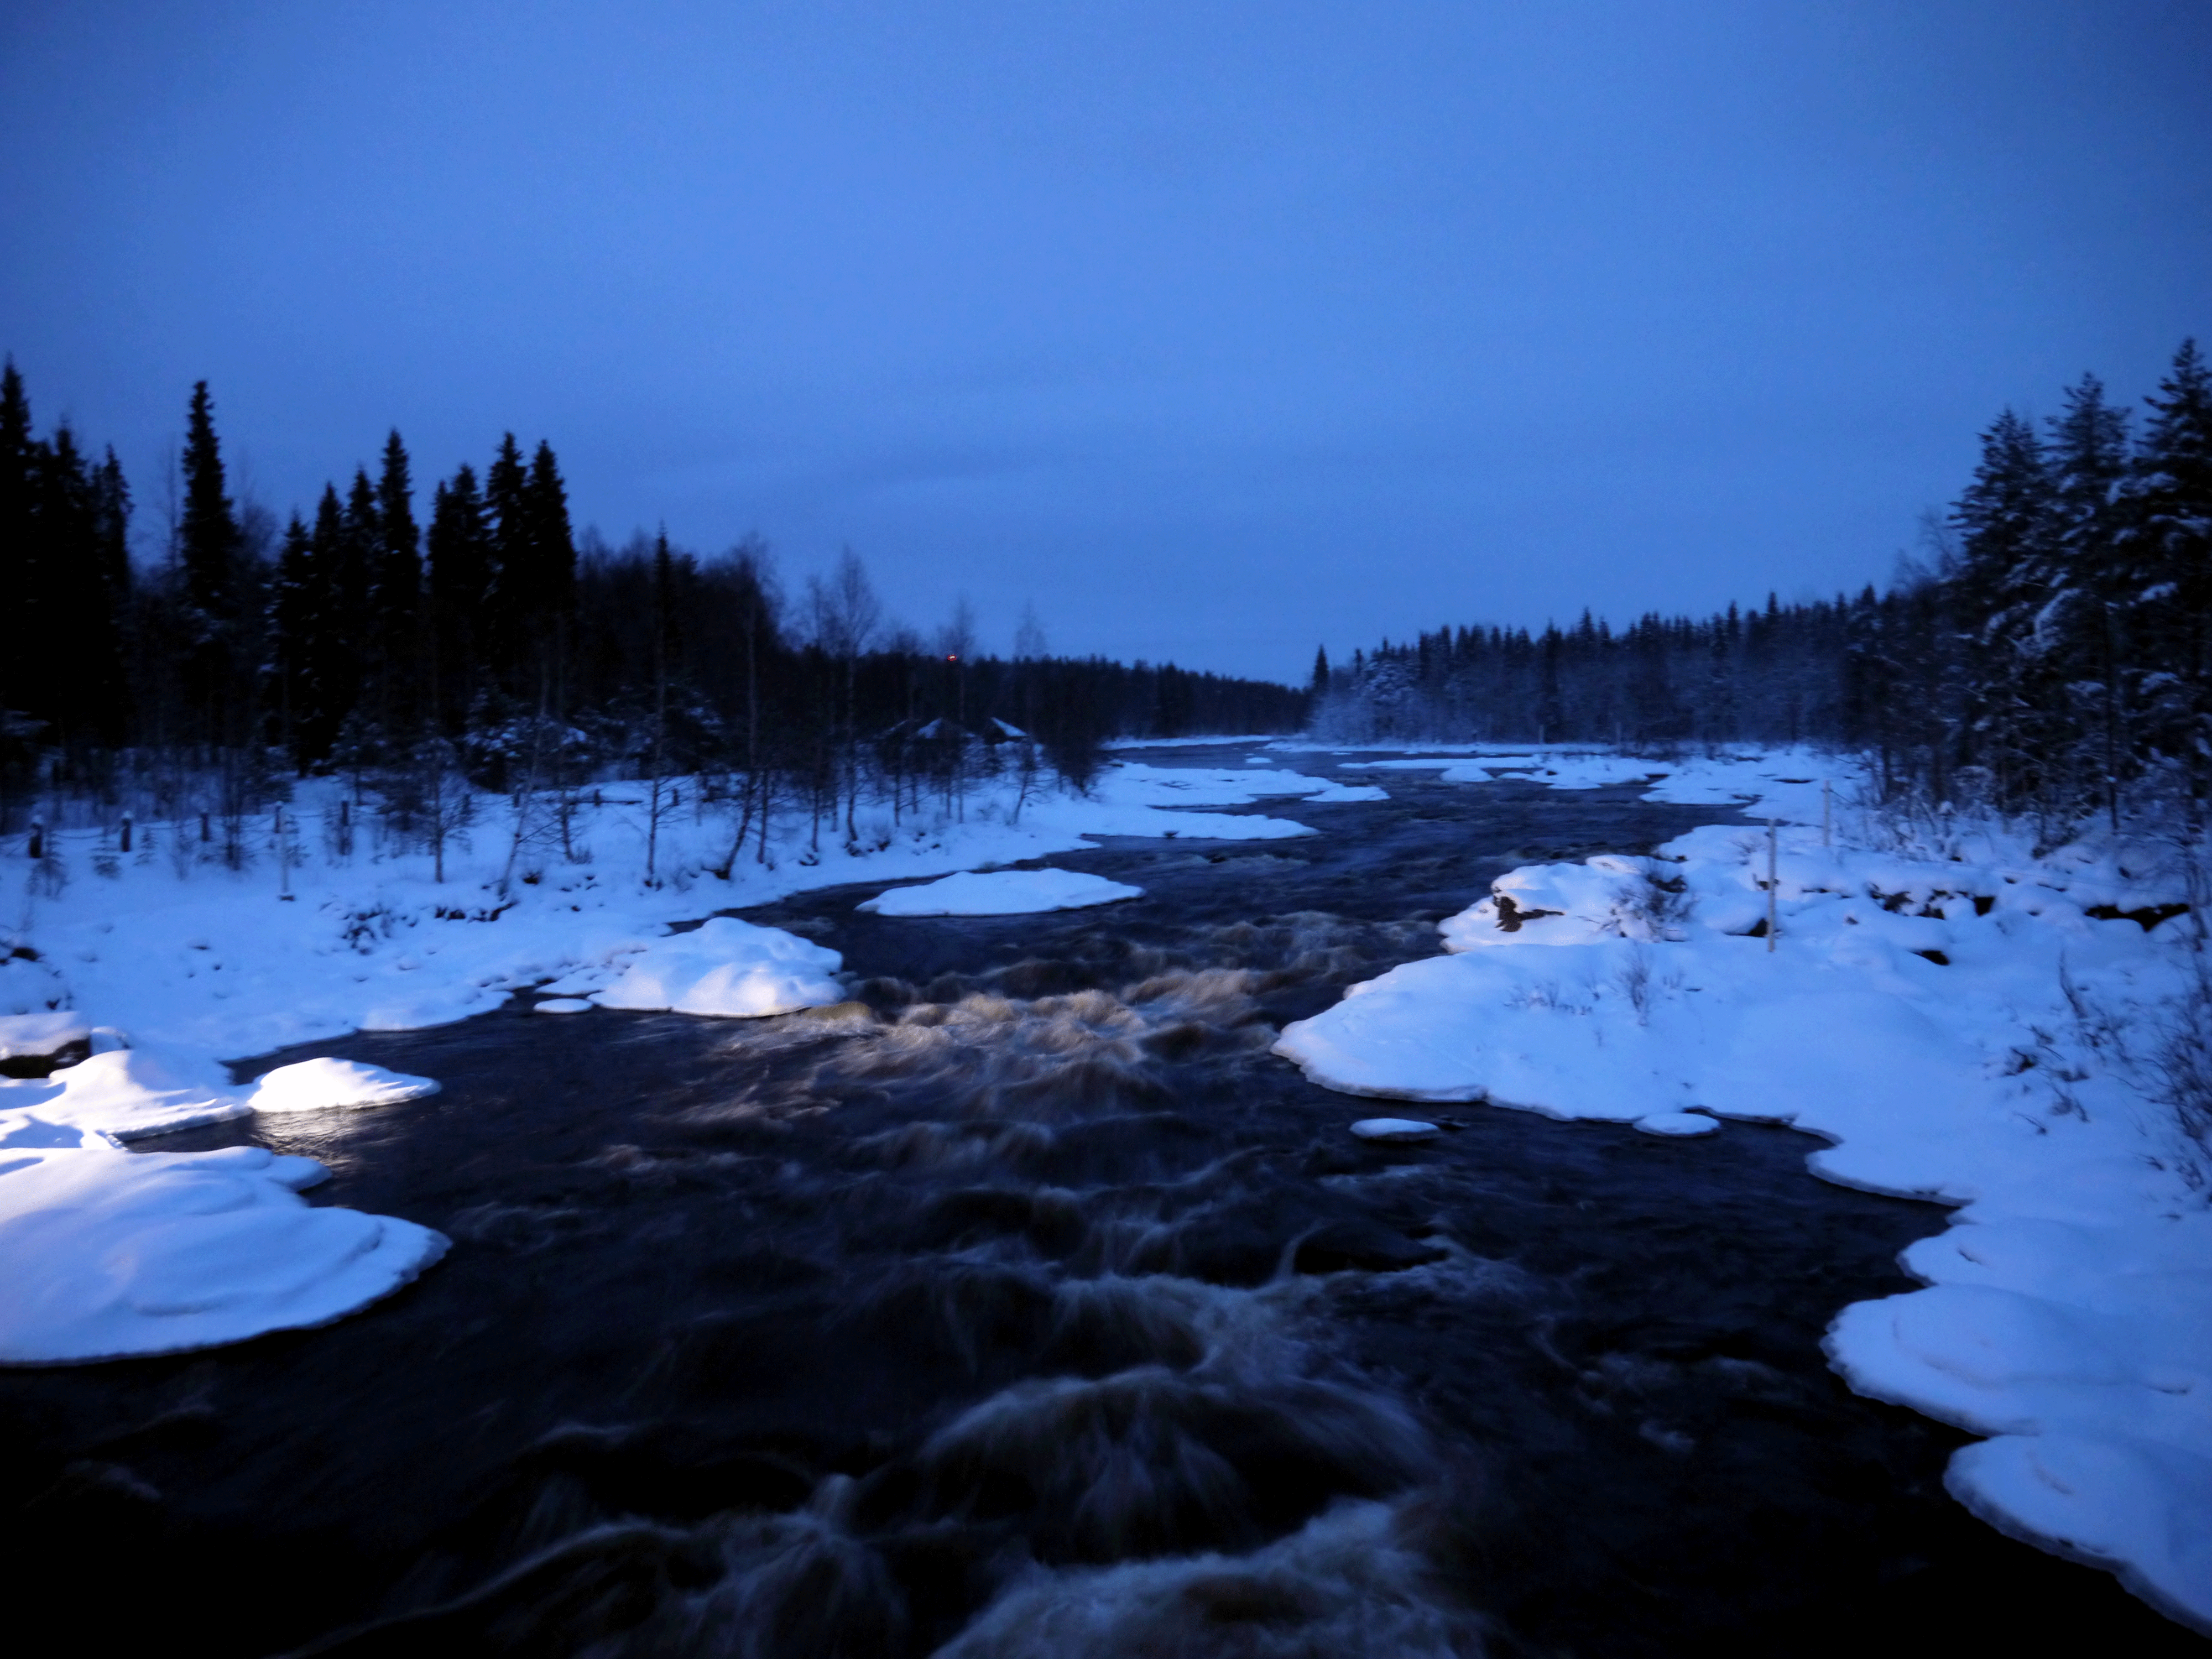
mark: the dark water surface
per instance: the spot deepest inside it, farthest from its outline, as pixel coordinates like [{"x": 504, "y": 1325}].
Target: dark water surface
[{"x": 1027, "y": 1305}]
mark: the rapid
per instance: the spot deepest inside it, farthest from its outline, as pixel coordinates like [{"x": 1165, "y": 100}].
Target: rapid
[{"x": 1024, "y": 1304}]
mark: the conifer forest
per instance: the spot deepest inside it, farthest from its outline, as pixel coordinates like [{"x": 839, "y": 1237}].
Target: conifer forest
[
  {"x": 2050, "y": 653},
  {"x": 477, "y": 636}
]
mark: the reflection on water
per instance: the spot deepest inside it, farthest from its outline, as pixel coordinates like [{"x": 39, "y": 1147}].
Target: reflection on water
[{"x": 1026, "y": 1305}]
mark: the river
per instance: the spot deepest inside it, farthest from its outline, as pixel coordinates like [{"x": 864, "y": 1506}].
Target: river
[{"x": 1026, "y": 1305}]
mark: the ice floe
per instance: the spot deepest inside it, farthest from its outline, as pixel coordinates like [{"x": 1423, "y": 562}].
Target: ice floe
[
  {"x": 1395, "y": 1128},
  {"x": 1001, "y": 893}
]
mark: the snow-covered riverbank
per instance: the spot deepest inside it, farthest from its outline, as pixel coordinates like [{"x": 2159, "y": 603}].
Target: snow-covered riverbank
[
  {"x": 170, "y": 964},
  {"x": 1960, "y": 1020}
]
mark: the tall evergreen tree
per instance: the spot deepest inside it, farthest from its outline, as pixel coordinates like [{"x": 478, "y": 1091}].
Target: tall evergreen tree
[
  {"x": 2076, "y": 647},
  {"x": 2005, "y": 524},
  {"x": 2165, "y": 571},
  {"x": 396, "y": 595},
  {"x": 330, "y": 680},
  {"x": 293, "y": 641},
  {"x": 207, "y": 552},
  {"x": 509, "y": 592},
  {"x": 24, "y": 570},
  {"x": 458, "y": 586}
]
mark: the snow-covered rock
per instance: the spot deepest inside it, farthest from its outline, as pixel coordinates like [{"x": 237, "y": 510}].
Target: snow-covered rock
[
  {"x": 729, "y": 969},
  {"x": 1001, "y": 893},
  {"x": 314, "y": 1085}
]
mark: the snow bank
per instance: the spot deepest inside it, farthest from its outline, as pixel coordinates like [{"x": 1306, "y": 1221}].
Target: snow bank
[
  {"x": 729, "y": 969},
  {"x": 1784, "y": 783},
  {"x": 1001, "y": 893},
  {"x": 314, "y": 1085},
  {"x": 1957, "y": 1029},
  {"x": 113, "y": 1253},
  {"x": 34, "y": 1036},
  {"x": 129, "y": 1093}
]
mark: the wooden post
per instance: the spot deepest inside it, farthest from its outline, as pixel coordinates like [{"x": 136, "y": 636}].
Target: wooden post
[{"x": 1773, "y": 842}]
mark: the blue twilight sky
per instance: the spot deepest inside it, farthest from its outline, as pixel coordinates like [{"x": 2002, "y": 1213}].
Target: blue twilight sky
[{"x": 1216, "y": 330}]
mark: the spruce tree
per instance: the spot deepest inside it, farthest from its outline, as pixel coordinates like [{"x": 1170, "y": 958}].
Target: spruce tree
[
  {"x": 331, "y": 665},
  {"x": 396, "y": 594},
  {"x": 2076, "y": 643},
  {"x": 208, "y": 557},
  {"x": 549, "y": 592},
  {"x": 24, "y": 570},
  {"x": 292, "y": 638},
  {"x": 2165, "y": 570},
  {"x": 459, "y": 587},
  {"x": 2005, "y": 522},
  {"x": 508, "y": 594}
]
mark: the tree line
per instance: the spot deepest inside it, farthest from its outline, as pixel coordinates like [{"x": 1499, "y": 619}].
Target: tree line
[
  {"x": 2052, "y": 656},
  {"x": 487, "y": 640}
]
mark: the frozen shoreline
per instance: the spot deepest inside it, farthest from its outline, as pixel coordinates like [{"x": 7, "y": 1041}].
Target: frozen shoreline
[
  {"x": 169, "y": 966},
  {"x": 1956, "y": 1026}
]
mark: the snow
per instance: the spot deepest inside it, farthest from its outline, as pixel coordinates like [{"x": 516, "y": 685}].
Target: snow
[
  {"x": 1949, "y": 1020},
  {"x": 314, "y": 1085},
  {"x": 34, "y": 1036},
  {"x": 1678, "y": 1125},
  {"x": 111, "y": 1254},
  {"x": 1393, "y": 1129},
  {"x": 1001, "y": 893},
  {"x": 728, "y": 969},
  {"x": 129, "y": 1093},
  {"x": 187, "y": 961},
  {"x": 561, "y": 1005}
]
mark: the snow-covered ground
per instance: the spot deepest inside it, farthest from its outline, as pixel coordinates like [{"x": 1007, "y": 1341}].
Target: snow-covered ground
[
  {"x": 1944, "y": 1010},
  {"x": 164, "y": 965}
]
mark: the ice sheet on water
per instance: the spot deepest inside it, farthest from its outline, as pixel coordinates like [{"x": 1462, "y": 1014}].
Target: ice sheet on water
[
  {"x": 729, "y": 969},
  {"x": 1677, "y": 1125},
  {"x": 314, "y": 1085},
  {"x": 110, "y": 1254},
  {"x": 1395, "y": 1128},
  {"x": 1001, "y": 893}
]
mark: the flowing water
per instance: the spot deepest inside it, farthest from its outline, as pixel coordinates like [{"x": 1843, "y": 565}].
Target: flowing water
[{"x": 1027, "y": 1305}]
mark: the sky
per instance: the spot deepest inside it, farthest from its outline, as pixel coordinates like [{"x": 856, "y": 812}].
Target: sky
[{"x": 1216, "y": 332}]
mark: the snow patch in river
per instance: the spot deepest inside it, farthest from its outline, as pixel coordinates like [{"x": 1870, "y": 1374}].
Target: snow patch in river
[{"x": 1001, "y": 893}]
